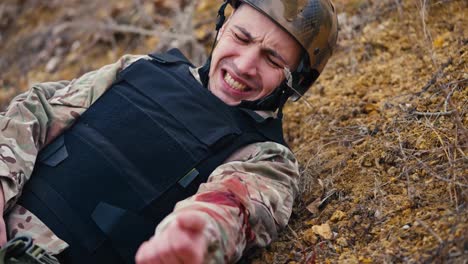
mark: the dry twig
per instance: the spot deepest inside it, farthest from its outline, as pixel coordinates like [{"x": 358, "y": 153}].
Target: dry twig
[
  {"x": 435, "y": 77},
  {"x": 428, "y": 228},
  {"x": 432, "y": 113},
  {"x": 141, "y": 31}
]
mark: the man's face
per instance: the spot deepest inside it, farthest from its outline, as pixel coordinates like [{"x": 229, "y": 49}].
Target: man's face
[{"x": 249, "y": 58}]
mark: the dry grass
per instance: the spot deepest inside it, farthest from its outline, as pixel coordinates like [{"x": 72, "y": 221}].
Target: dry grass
[{"x": 387, "y": 134}]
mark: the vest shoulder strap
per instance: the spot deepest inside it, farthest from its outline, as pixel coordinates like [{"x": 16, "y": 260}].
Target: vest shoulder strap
[{"x": 173, "y": 56}]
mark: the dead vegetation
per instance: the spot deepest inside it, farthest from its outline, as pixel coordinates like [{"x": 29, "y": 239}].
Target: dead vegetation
[
  {"x": 387, "y": 134},
  {"x": 382, "y": 137},
  {"x": 51, "y": 40}
]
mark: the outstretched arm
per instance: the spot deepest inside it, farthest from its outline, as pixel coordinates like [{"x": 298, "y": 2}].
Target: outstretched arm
[{"x": 243, "y": 204}]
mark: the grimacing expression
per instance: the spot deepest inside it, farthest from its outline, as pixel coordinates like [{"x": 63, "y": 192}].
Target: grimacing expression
[{"x": 249, "y": 58}]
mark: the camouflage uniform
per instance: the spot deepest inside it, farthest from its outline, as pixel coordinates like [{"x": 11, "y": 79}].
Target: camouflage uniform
[{"x": 245, "y": 200}]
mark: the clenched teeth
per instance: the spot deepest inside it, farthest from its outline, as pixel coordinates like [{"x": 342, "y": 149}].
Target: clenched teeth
[{"x": 233, "y": 83}]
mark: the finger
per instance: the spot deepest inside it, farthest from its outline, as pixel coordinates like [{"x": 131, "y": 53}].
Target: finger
[
  {"x": 181, "y": 242},
  {"x": 154, "y": 251},
  {"x": 187, "y": 246},
  {"x": 142, "y": 255},
  {"x": 191, "y": 222},
  {"x": 187, "y": 253},
  {"x": 157, "y": 251}
]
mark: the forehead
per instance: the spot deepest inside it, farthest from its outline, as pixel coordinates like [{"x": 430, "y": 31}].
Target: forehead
[{"x": 263, "y": 29}]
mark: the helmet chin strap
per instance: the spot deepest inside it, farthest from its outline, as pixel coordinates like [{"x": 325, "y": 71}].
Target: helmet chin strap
[
  {"x": 205, "y": 69},
  {"x": 272, "y": 102},
  {"x": 277, "y": 99},
  {"x": 219, "y": 23}
]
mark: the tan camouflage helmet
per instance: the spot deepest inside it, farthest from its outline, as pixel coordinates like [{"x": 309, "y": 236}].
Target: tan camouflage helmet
[{"x": 313, "y": 23}]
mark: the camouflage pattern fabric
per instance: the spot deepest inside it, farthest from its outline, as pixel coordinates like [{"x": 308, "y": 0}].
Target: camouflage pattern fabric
[{"x": 246, "y": 199}]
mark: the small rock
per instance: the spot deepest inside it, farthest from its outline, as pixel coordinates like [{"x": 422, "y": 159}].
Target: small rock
[
  {"x": 338, "y": 216},
  {"x": 342, "y": 242},
  {"x": 314, "y": 207},
  {"x": 406, "y": 227},
  {"x": 51, "y": 66},
  {"x": 323, "y": 230},
  {"x": 310, "y": 236},
  {"x": 75, "y": 46},
  {"x": 378, "y": 214}
]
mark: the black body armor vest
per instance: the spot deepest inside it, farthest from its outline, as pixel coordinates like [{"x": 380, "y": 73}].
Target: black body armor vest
[{"x": 148, "y": 142}]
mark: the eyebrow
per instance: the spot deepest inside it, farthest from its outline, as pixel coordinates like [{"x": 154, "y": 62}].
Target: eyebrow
[{"x": 269, "y": 50}]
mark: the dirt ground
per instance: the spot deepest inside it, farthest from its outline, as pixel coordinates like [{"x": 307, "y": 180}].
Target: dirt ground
[{"x": 381, "y": 136}]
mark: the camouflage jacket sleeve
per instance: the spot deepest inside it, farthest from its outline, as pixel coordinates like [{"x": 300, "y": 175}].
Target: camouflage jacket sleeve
[
  {"x": 246, "y": 200},
  {"x": 37, "y": 116}
]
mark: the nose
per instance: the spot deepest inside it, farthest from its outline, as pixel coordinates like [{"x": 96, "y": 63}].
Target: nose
[{"x": 247, "y": 61}]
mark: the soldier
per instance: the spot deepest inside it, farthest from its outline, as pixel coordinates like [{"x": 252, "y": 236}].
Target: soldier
[{"x": 105, "y": 157}]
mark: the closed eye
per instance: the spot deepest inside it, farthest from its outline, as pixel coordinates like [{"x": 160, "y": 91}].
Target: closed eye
[
  {"x": 241, "y": 38},
  {"x": 273, "y": 62}
]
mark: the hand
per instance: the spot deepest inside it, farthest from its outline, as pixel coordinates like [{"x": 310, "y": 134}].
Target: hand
[{"x": 182, "y": 241}]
